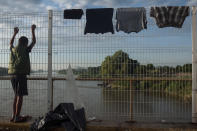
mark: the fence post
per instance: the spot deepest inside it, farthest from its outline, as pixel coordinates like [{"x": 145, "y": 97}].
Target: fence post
[
  {"x": 131, "y": 100},
  {"x": 49, "y": 91},
  {"x": 194, "y": 67}
]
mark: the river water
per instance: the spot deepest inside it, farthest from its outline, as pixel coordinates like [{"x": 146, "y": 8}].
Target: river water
[{"x": 100, "y": 103}]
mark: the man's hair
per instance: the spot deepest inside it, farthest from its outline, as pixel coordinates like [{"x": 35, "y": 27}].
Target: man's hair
[{"x": 23, "y": 41}]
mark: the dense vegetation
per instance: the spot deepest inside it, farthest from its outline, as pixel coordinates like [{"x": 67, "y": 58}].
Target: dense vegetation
[{"x": 119, "y": 65}]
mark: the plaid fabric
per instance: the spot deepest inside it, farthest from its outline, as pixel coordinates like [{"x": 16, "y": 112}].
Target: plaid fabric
[{"x": 170, "y": 16}]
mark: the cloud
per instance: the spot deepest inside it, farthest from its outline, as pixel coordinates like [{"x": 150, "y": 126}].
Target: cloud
[
  {"x": 20, "y": 5},
  {"x": 67, "y": 4},
  {"x": 48, "y": 7},
  {"x": 43, "y": 5},
  {"x": 192, "y": 2}
]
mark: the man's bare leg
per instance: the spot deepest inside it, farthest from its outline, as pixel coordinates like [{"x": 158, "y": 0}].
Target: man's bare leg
[
  {"x": 14, "y": 108},
  {"x": 19, "y": 104}
]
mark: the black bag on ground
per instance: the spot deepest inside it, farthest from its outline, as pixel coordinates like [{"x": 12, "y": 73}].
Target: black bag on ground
[
  {"x": 50, "y": 119},
  {"x": 65, "y": 116}
]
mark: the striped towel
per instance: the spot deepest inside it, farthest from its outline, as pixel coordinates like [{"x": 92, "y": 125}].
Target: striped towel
[{"x": 169, "y": 16}]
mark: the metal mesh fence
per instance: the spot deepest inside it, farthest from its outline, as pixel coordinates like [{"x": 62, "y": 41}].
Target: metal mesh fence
[{"x": 143, "y": 76}]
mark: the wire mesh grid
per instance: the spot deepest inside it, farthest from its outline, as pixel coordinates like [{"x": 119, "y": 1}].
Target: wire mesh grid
[{"x": 143, "y": 76}]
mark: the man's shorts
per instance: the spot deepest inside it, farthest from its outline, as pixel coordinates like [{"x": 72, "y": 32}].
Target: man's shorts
[{"x": 19, "y": 84}]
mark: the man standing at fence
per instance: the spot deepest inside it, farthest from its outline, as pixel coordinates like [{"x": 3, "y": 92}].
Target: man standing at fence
[{"x": 19, "y": 67}]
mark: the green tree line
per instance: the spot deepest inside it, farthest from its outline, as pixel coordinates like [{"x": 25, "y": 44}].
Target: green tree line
[{"x": 120, "y": 65}]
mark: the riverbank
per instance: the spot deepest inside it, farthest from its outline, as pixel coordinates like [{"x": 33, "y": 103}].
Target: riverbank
[{"x": 178, "y": 89}]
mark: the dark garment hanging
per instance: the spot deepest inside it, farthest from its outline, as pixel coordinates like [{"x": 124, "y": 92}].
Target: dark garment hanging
[
  {"x": 131, "y": 19},
  {"x": 99, "y": 20},
  {"x": 169, "y": 16},
  {"x": 73, "y": 14}
]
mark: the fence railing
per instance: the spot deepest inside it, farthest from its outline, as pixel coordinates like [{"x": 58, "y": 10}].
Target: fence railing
[
  {"x": 131, "y": 102},
  {"x": 145, "y": 76}
]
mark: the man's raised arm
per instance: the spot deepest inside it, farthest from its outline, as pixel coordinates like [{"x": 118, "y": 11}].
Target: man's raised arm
[
  {"x": 13, "y": 37},
  {"x": 33, "y": 27}
]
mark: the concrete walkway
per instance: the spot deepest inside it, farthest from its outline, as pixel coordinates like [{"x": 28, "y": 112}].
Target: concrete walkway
[{"x": 5, "y": 125}]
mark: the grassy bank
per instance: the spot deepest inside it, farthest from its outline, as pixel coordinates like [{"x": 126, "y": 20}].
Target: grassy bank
[{"x": 178, "y": 89}]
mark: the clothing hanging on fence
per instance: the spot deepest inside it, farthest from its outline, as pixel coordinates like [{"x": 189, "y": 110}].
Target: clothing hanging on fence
[
  {"x": 131, "y": 19},
  {"x": 99, "y": 20},
  {"x": 170, "y": 16},
  {"x": 73, "y": 14}
]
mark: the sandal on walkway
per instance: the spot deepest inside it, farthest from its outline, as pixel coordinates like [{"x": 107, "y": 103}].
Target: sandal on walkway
[
  {"x": 27, "y": 117},
  {"x": 12, "y": 119},
  {"x": 20, "y": 119}
]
